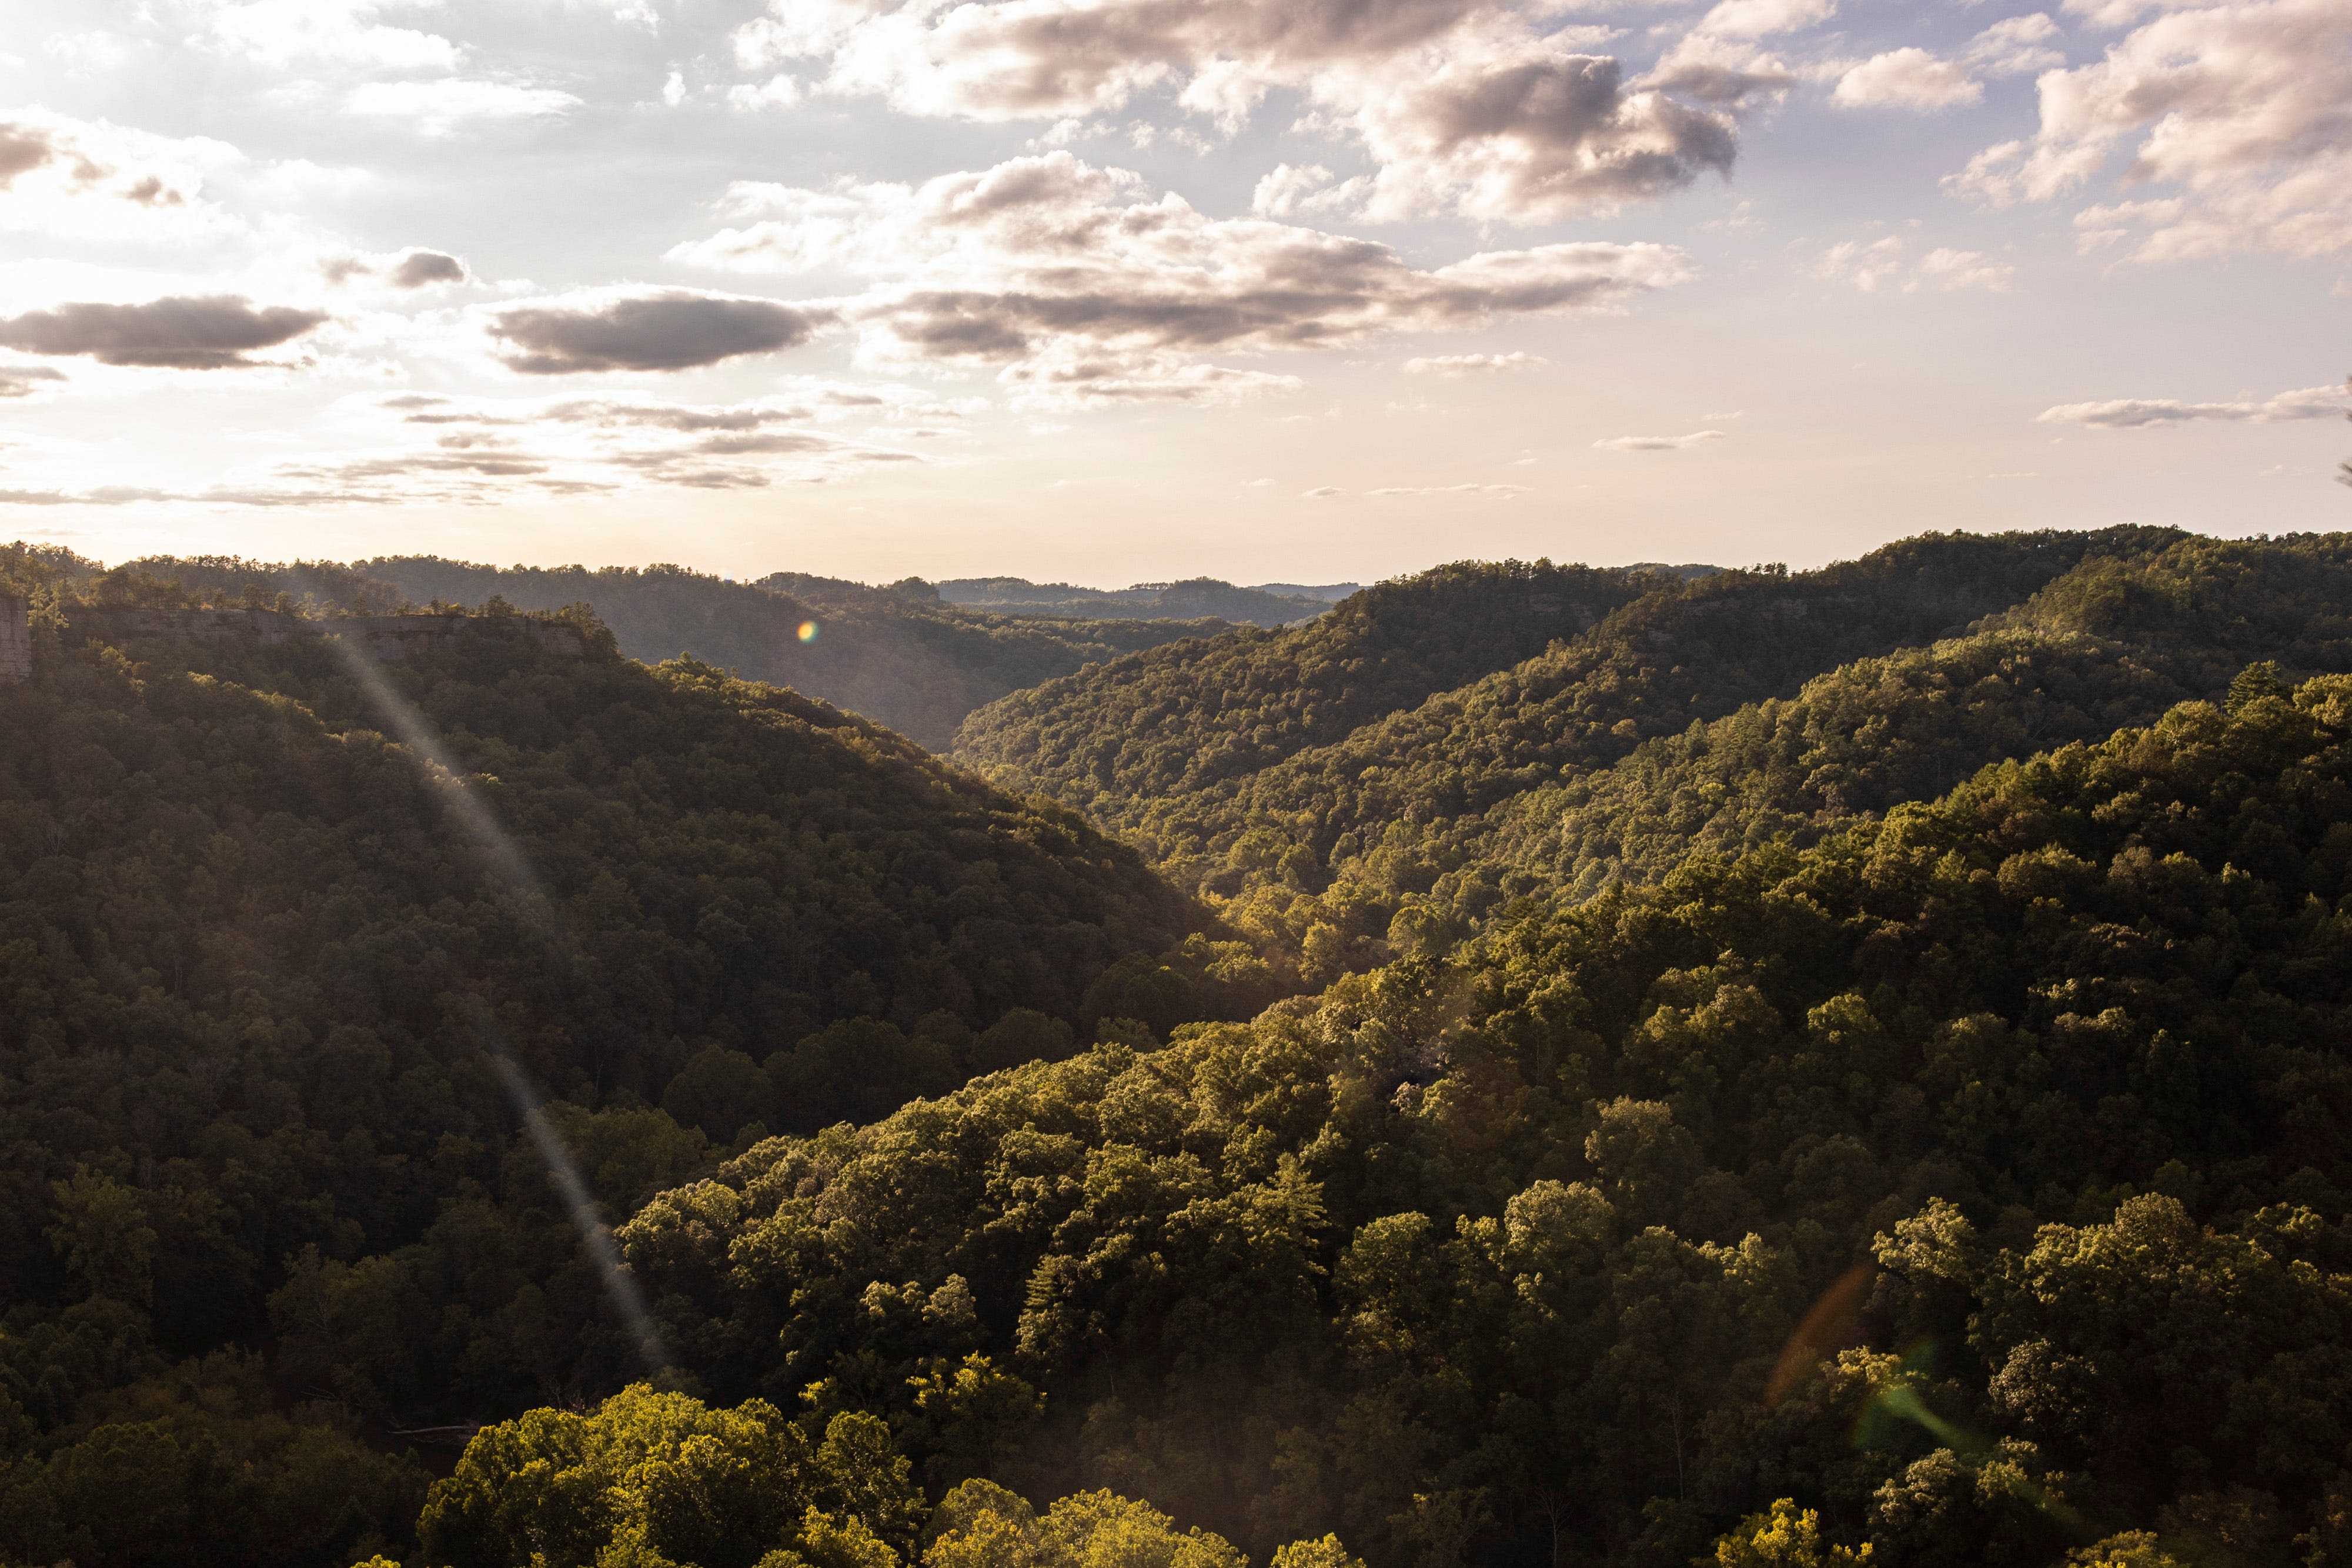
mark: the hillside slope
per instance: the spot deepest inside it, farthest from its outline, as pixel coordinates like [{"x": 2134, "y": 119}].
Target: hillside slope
[
  {"x": 250, "y": 960},
  {"x": 1977, "y": 1177}
]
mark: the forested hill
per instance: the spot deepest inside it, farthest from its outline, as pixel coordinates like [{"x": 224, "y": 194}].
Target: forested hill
[
  {"x": 2112, "y": 643},
  {"x": 909, "y": 662},
  {"x": 249, "y": 963},
  {"x": 1978, "y": 1181},
  {"x": 1194, "y": 716},
  {"x": 1717, "y": 712},
  {"x": 1441, "y": 692}
]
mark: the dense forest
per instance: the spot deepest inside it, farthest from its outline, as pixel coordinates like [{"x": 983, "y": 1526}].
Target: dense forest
[
  {"x": 1539, "y": 1065},
  {"x": 900, "y": 656}
]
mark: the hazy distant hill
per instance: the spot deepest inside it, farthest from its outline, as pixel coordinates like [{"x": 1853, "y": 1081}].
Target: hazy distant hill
[
  {"x": 905, "y": 659},
  {"x": 1274, "y": 605},
  {"x": 1328, "y": 592}
]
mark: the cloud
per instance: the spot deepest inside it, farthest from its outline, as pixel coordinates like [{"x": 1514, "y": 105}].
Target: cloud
[
  {"x": 442, "y": 106},
  {"x": 276, "y": 32},
  {"x": 1905, "y": 79},
  {"x": 1324, "y": 492},
  {"x": 1453, "y": 366},
  {"x": 1490, "y": 110},
  {"x": 1722, "y": 62},
  {"x": 2240, "y": 114},
  {"x": 1499, "y": 492},
  {"x": 1950, "y": 268},
  {"x": 1080, "y": 286},
  {"x": 67, "y": 179},
  {"x": 419, "y": 267},
  {"x": 2016, "y": 45},
  {"x": 2131, "y": 413},
  {"x": 202, "y": 333},
  {"x": 22, "y": 149},
  {"x": 674, "y": 329},
  {"x": 1870, "y": 266},
  {"x": 1305, "y": 188},
  {"x": 479, "y": 452},
  {"x": 22, "y": 380},
  {"x": 1913, "y": 78},
  {"x": 1657, "y": 443},
  {"x": 779, "y": 91}
]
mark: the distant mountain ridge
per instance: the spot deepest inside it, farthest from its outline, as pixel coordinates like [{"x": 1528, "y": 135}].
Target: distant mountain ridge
[{"x": 1274, "y": 604}]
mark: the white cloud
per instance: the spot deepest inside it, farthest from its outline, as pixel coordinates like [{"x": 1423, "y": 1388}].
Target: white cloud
[
  {"x": 1080, "y": 286},
  {"x": 2242, "y": 111},
  {"x": 440, "y": 107},
  {"x": 2124, "y": 413},
  {"x": 2016, "y": 45},
  {"x": 1912, "y": 78},
  {"x": 1870, "y": 266},
  {"x": 1905, "y": 79},
  {"x": 1657, "y": 442},
  {"x": 1309, "y": 188},
  {"x": 276, "y": 32},
  {"x": 779, "y": 91},
  {"x": 1453, "y": 366}
]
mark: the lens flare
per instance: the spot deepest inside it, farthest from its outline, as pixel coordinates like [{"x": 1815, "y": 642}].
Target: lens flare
[
  {"x": 473, "y": 817},
  {"x": 808, "y": 631},
  {"x": 620, "y": 1285}
]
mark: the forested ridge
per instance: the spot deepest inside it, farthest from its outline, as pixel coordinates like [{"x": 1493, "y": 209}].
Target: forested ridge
[
  {"x": 1717, "y": 712},
  {"x": 905, "y": 659},
  {"x": 1190, "y": 716},
  {"x": 1767, "y": 1068}
]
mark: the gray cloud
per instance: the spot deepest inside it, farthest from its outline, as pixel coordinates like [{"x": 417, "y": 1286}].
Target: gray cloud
[
  {"x": 1538, "y": 137},
  {"x": 104, "y": 496},
  {"x": 1085, "y": 289},
  {"x": 205, "y": 332},
  {"x": 20, "y": 380},
  {"x": 1485, "y": 109},
  {"x": 676, "y": 330},
  {"x": 419, "y": 267},
  {"x": 26, "y": 147},
  {"x": 22, "y": 149}
]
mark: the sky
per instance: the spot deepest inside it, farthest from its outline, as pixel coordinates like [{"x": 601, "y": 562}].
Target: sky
[{"x": 1109, "y": 291}]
